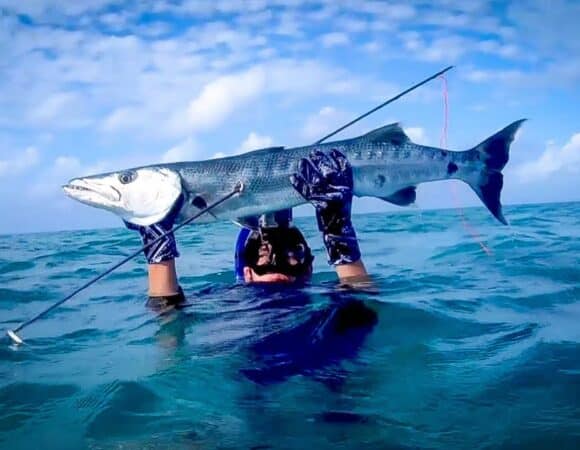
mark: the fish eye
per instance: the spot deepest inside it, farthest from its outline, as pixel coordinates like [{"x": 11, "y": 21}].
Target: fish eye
[{"x": 127, "y": 177}]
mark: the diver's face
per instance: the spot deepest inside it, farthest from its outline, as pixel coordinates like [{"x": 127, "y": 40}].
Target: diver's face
[{"x": 264, "y": 259}]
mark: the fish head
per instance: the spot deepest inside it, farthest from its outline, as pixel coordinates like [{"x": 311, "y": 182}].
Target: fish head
[{"x": 141, "y": 196}]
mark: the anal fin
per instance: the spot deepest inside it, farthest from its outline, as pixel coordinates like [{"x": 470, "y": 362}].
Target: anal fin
[{"x": 403, "y": 197}]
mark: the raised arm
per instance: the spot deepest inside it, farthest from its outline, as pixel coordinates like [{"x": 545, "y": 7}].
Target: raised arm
[
  {"x": 163, "y": 284},
  {"x": 325, "y": 180}
]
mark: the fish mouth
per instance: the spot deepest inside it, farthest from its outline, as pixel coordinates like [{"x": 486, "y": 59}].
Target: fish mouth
[{"x": 92, "y": 192}]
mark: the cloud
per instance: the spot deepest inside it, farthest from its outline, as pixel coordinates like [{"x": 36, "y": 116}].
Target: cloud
[
  {"x": 497, "y": 48},
  {"x": 187, "y": 150},
  {"x": 52, "y": 106},
  {"x": 550, "y": 27},
  {"x": 66, "y": 164},
  {"x": 219, "y": 99},
  {"x": 553, "y": 160},
  {"x": 372, "y": 47},
  {"x": 122, "y": 119},
  {"x": 20, "y": 163},
  {"x": 207, "y": 8},
  {"x": 563, "y": 73},
  {"x": 323, "y": 122},
  {"x": 167, "y": 108},
  {"x": 253, "y": 141},
  {"x": 289, "y": 25},
  {"x": 48, "y": 181},
  {"x": 386, "y": 10},
  {"x": 62, "y": 109},
  {"x": 46, "y": 9},
  {"x": 335, "y": 39},
  {"x": 447, "y": 48},
  {"x": 485, "y": 76},
  {"x": 352, "y": 25}
]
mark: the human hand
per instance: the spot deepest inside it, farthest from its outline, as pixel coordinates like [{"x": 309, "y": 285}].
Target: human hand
[
  {"x": 158, "y": 250},
  {"x": 326, "y": 181}
]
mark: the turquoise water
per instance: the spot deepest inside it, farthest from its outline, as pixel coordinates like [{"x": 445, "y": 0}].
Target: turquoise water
[{"x": 470, "y": 349}]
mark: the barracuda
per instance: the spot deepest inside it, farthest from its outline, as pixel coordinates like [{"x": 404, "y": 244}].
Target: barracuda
[{"x": 386, "y": 165}]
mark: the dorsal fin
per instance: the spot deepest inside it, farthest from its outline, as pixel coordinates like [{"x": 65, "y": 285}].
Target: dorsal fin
[{"x": 392, "y": 133}]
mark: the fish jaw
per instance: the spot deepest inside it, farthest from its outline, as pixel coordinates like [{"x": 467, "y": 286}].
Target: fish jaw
[{"x": 93, "y": 192}]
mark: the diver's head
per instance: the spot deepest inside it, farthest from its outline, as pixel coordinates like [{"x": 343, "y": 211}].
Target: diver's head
[{"x": 277, "y": 255}]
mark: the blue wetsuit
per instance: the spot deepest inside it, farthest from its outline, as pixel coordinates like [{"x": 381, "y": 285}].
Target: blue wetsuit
[
  {"x": 328, "y": 336},
  {"x": 239, "y": 255}
]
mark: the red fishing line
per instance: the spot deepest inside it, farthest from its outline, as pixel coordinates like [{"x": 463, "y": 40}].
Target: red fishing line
[{"x": 443, "y": 144}]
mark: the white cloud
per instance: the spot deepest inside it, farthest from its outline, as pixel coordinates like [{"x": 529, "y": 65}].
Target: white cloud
[
  {"x": 115, "y": 21},
  {"x": 48, "y": 182},
  {"x": 188, "y": 150},
  {"x": 447, "y": 48},
  {"x": 61, "y": 109},
  {"x": 254, "y": 141},
  {"x": 51, "y": 107},
  {"x": 168, "y": 108},
  {"x": 497, "y": 48},
  {"x": 20, "y": 163},
  {"x": 323, "y": 122},
  {"x": 43, "y": 9},
  {"x": 386, "y": 10},
  {"x": 219, "y": 99},
  {"x": 305, "y": 77},
  {"x": 485, "y": 76},
  {"x": 289, "y": 25},
  {"x": 207, "y": 8},
  {"x": 256, "y": 18},
  {"x": 334, "y": 39},
  {"x": 372, "y": 47},
  {"x": 554, "y": 159},
  {"x": 550, "y": 27},
  {"x": 326, "y": 12},
  {"x": 66, "y": 164},
  {"x": 352, "y": 25},
  {"x": 219, "y": 155},
  {"x": 122, "y": 118}
]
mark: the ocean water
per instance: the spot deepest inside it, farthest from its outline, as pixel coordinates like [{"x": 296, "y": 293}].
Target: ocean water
[{"x": 469, "y": 338}]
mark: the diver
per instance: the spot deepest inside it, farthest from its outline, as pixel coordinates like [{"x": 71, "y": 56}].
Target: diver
[
  {"x": 274, "y": 251},
  {"x": 270, "y": 251}
]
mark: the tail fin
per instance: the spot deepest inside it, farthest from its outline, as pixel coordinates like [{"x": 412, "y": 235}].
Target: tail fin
[{"x": 494, "y": 153}]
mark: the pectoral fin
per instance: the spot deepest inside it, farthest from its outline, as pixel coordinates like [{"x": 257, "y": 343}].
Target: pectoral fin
[{"x": 403, "y": 197}]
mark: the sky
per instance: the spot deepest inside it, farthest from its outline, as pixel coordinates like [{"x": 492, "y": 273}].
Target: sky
[{"x": 98, "y": 85}]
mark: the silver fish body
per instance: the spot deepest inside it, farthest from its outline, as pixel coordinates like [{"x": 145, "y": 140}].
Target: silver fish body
[{"x": 386, "y": 164}]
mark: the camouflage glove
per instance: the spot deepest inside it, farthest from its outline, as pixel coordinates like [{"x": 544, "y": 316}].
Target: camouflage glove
[
  {"x": 325, "y": 180},
  {"x": 166, "y": 248}
]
